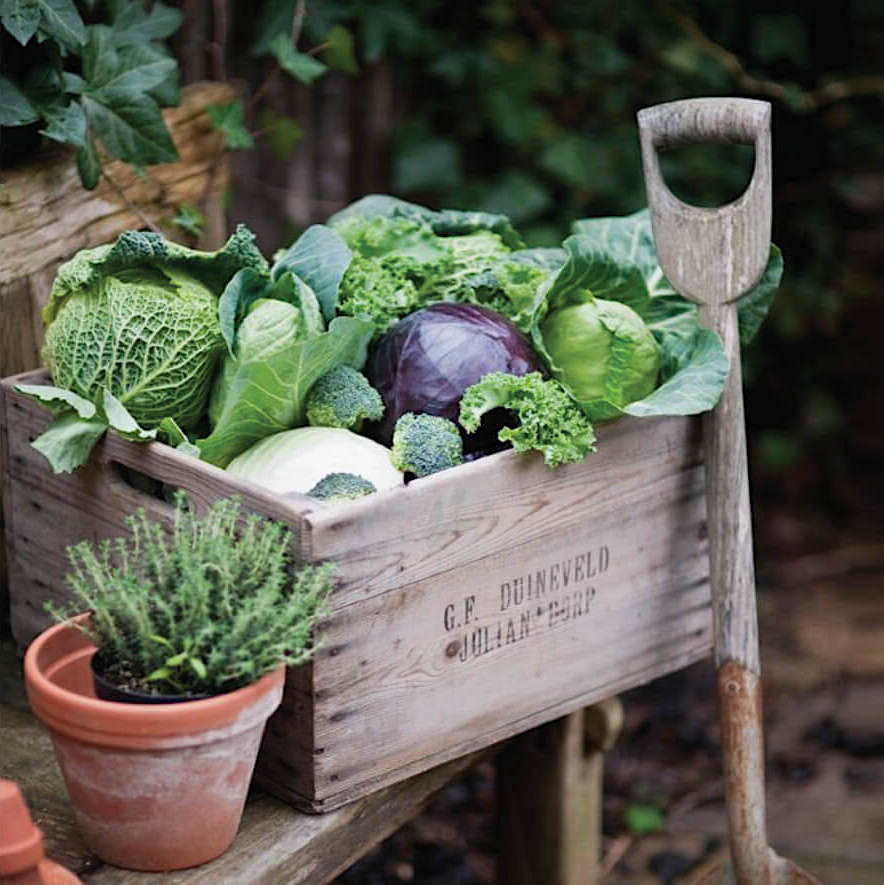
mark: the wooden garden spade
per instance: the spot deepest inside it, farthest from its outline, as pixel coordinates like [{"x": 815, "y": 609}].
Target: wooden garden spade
[{"x": 712, "y": 257}]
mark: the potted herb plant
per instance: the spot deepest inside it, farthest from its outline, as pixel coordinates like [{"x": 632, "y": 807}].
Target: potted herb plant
[{"x": 199, "y": 621}]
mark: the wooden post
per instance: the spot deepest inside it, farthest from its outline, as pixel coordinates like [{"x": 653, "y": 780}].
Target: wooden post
[{"x": 549, "y": 795}]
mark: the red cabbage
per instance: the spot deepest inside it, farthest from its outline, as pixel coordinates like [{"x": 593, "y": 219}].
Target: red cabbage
[{"x": 429, "y": 358}]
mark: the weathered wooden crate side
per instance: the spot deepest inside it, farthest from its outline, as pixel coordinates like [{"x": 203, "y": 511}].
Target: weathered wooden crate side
[
  {"x": 486, "y": 600},
  {"x": 47, "y": 511},
  {"x": 474, "y": 604}
]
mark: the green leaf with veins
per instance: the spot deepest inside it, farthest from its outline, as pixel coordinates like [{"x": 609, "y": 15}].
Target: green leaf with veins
[
  {"x": 66, "y": 124},
  {"x": 134, "y": 25},
  {"x": 130, "y": 126},
  {"x": 60, "y": 19}
]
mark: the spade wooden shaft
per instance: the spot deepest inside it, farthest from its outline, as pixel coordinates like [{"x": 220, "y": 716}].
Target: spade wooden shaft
[{"x": 713, "y": 256}]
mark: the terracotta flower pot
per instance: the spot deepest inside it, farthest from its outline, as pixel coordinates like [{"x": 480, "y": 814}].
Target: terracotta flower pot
[
  {"x": 156, "y": 786},
  {"x": 22, "y": 861}
]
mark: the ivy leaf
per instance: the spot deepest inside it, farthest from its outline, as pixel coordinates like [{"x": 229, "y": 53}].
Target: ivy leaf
[
  {"x": 282, "y": 133},
  {"x": 228, "y": 120},
  {"x": 338, "y": 52},
  {"x": 100, "y": 61},
  {"x": 130, "y": 126},
  {"x": 275, "y": 18},
  {"x": 73, "y": 83},
  {"x": 21, "y": 18},
  {"x": 15, "y": 109},
  {"x": 136, "y": 68},
  {"x": 65, "y": 124},
  {"x": 61, "y": 20},
  {"x": 302, "y": 67},
  {"x": 189, "y": 219},
  {"x": 89, "y": 164},
  {"x": 133, "y": 25}
]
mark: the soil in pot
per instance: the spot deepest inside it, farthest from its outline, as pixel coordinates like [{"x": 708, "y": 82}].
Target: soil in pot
[
  {"x": 153, "y": 786},
  {"x": 109, "y": 689}
]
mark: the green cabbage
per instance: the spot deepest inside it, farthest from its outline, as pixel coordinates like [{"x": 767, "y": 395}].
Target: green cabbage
[
  {"x": 133, "y": 338},
  {"x": 150, "y": 338},
  {"x": 604, "y": 352}
]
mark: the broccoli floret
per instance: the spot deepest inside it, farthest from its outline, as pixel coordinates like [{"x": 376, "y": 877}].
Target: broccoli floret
[
  {"x": 342, "y": 397},
  {"x": 550, "y": 421},
  {"x": 425, "y": 444},
  {"x": 341, "y": 487}
]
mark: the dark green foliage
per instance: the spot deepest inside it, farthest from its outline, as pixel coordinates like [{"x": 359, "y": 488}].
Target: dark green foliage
[
  {"x": 341, "y": 487},
  {"x": 343, "y": 398},
  {"x": 87, "y": 83},
  {"x": 206, "y": 608},
  {"x": 425, "y": 444}
]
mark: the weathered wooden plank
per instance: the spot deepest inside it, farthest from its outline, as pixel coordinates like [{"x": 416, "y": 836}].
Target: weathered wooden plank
[{"x": 498, "y": 503}]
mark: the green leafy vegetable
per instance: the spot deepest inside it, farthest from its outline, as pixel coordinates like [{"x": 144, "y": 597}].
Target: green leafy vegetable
[
  {"x": 628, "y": 241},
  {"x": 394, "y": 266},
  {"x": 425, "y": 444},
  {"x": 263, "y": 387},
  {"x": 132, "y": 338},
  {"x": 609, "y": 264},
  {"x": 603, "y": 352},
  {"x": 444, "y": 222},
  {"x": 549, "y": 420}
]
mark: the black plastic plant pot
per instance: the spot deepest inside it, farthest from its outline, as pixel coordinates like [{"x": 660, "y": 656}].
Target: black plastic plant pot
[{"x": 110, "y": 691}]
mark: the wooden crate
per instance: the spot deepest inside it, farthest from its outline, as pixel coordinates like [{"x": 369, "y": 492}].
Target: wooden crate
[{"x": 473, "y": 604}]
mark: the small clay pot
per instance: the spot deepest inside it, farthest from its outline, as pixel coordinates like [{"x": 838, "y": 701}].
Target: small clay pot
[
  {"x": 21, "y": 845},
  {"x": 153, "y": 786}
]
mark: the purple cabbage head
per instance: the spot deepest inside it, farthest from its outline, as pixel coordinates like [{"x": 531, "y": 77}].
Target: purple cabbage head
[{"x": 428, "y": 359}]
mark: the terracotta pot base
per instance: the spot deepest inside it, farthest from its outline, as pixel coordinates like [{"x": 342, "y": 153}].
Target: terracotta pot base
[{"x": 154, "y": 787}]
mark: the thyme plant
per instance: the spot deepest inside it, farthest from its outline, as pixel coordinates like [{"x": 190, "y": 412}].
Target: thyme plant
[{"x": 209, "y": 606}]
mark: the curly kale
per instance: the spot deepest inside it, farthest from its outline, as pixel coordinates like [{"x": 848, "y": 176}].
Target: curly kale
[
  {"x": 425, "y": 444},
  {"x": 394, "y": 263},
  {"x": 343, "y": 397},
  {"x": 550, "y": 421}
]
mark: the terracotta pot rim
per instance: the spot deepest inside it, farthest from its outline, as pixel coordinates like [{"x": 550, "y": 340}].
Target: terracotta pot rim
[{"x": 94, "y": 720}]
